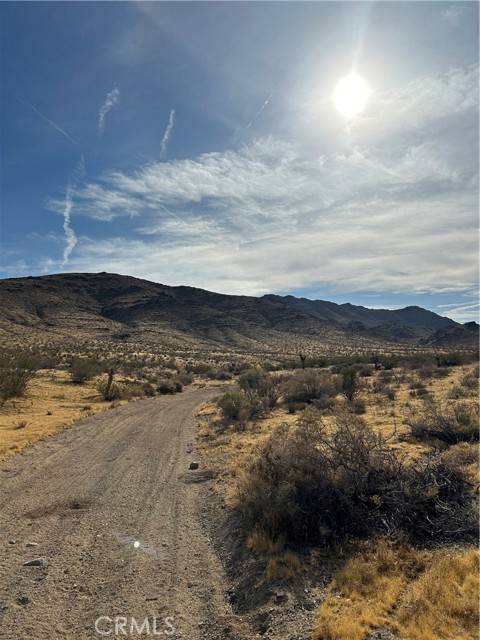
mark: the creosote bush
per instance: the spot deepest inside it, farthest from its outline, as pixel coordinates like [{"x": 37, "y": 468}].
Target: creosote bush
[
  {"x": 260, "y": 384},
  {"x": 314, "y": 485},
  {"x": 237, "y": 407},
  {"x": 309, "y": 386},
  {"x": 451, "y": 423},
  {"x": 15, "y": 373},
  {"x": 83, "y": 369}
]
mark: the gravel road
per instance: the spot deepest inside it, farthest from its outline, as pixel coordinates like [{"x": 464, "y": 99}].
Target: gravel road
[{"x": 110, "y": 510}]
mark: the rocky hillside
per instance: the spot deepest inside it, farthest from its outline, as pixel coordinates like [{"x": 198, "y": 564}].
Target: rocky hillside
[{"x": 123, "y": 308}]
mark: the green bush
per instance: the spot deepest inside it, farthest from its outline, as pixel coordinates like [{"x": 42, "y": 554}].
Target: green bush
[
  {"x": 238, "y": 407},
  {"x": 349, "y": 384},
  {"x": 257, "y": 383},
  {"x": 306, "y": 386}
]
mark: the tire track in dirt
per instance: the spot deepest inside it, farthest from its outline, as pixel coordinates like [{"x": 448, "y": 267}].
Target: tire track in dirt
[{"x": 107, "y": 503}]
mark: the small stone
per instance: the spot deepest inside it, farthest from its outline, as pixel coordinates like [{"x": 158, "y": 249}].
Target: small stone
[
  {"x": 194, "y": 465},
  {"x": 280, "y": 597},
  {"x": 23, "y": 600},
  {"x": 12, "y": 541},
  {"x": 36, "y": 562},
  {"x": 31, "y": 544}
]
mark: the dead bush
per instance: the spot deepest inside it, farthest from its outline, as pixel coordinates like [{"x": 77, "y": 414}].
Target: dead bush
[
  {"x": 451, "y": 423},
  {"x": 316, "y": 485}
]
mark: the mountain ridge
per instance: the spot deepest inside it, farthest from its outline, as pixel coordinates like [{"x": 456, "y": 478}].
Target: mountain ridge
[{"x": 109, "y": 305}]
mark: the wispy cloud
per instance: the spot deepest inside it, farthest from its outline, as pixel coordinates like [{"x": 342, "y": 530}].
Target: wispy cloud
[
  {"x": 49, "y": 121},
  {"x": 111, "y": 100},
  {"x": 273, "y": 215},
  {"x": 452, "y": 14},
  {"x": 70, "y": 236},
  {"x": 167, "y": 134}
]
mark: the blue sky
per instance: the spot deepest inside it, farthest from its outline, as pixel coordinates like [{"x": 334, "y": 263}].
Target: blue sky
[{"x": 198, "y": 143}]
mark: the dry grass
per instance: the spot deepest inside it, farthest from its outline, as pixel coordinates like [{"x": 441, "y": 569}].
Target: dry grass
[
  {"x": 51, "y": 403},
  {"x": 421, "y": 595},
  {"x": 284, "y": 566},
  {"x": 418, "y": 594}
]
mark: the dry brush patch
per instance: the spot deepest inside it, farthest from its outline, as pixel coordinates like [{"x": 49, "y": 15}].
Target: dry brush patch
[{"x": 417, "y": 594}]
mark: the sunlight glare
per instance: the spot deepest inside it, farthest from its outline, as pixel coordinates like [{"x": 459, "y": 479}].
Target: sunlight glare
[{"x": 351, "y": 95}]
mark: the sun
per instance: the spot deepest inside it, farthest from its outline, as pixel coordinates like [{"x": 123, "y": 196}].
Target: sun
[{"x": 351, "y": 95}]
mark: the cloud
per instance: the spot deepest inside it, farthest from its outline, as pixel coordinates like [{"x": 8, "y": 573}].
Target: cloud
[
  {"x": 396, "y": 215},
  {"x": 111, "y": 100},
  {"x": 452, "y": 15},
  {"x": 168, "y": 133},
  {"x": 70, "y": 237},
  {"x": 49, "y": 121}
]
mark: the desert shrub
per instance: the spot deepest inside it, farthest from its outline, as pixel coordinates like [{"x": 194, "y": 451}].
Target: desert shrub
[
  {"x": 306, "y": 386},
  {"x": 470, "y": 380},
  {"x": 460, "y": 455},
  {"x": 451, "y": 423},
  {"x": 197, "y": 367},
  {"x": 294, "y": 407},
  {"x": 167, "y": 387},
  {"x": 456, "y": 392},
  {"x": 317, "y": 485},
  {"x": 109, "y": 392},
  {"x": 184, "y": 378},
  {"x": 430, "y": 371},
  {"x": 218, "y": 374},
  {"x": 386, "y": 376},
  {"x": 108, "y": 389},
  {"x": 137, "y": 389},
  {"x": 256, "y": 382},
  {"x": 365, "y": 370},
  {"x": 15, "y": 373},
  {"x": 236, "y": 406},
  {"x": 349, "y": 384},
  {"x": 455, "y": 359},
  {"x": 359, "y": 406},
  {"x": 83, "y": 369}
]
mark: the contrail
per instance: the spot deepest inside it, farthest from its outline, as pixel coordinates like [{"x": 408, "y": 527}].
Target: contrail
[
  {"x": 168, "y": 133},
  {"x": 265, "y": 104},
  {"x": 50, "y": 122},
  {"x": 70, "y": 237},
  {"x": 111, "y": 100}
]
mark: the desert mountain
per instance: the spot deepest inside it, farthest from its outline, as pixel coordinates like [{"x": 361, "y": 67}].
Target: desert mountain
[{"x": 111, "y": 306}]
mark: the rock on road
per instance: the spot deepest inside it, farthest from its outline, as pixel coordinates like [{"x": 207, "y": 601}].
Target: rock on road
[{"x": 107, "y": 506}]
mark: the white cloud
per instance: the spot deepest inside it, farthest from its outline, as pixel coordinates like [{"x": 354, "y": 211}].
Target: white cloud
[
  {"x": 70, "y": 237},
  {"x": 452, "y": 14},
  {"x": 168, "y": 133},
  {"x": 398, "y": 214},
  {"x": 111, "y": 100}
]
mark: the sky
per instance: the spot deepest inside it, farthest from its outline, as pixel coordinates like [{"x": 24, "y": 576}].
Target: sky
[{"x": 199, "y": 144}]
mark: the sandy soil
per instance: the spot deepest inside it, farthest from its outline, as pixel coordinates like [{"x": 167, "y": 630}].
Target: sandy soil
[
  {"x": 113, "y": 508},
  {"x": 52, "y": 403}
]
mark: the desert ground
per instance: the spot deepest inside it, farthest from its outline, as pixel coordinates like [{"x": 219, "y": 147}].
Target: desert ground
[{"x": 98, "y": 492}]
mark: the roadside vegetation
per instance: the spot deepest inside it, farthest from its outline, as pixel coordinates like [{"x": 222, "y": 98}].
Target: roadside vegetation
[{"x": 372, "y": 462}]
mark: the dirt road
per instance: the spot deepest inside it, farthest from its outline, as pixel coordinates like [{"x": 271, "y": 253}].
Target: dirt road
[{"x": 112, "y": 506}]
